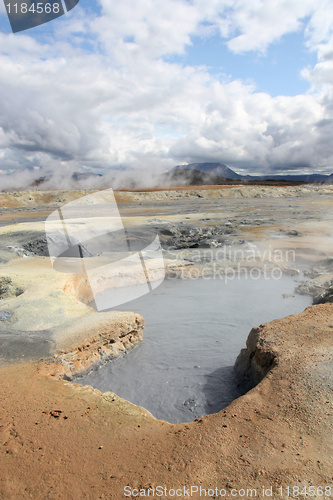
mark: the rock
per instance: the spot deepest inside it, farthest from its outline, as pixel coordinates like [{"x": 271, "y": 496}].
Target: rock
[
  {"x": 21, "y": 252},
  {"x": 181, "y": 236},
  {"x": 323, "y": 266},
  {"x": 315, "y": 287},
  {"x": 37, "y": 246},
  {"x": 8, "y": 288},
  {"x": 254, "y": 362},
  {"x": 5, "y": 315},
  {"x": 324, "y": 297}
]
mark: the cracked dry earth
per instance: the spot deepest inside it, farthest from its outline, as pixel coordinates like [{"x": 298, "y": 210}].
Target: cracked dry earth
[{"x": 60, "y": 440}]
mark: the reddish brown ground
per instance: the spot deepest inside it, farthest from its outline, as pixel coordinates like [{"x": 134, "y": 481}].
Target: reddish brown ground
[{"x": 64, "y": 441}]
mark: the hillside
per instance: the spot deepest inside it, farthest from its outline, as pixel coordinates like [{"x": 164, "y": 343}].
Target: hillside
[{"x": 218, "y": 173}]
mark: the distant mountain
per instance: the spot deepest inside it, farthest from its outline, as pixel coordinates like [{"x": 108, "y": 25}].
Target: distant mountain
[
  {"x": 40, "y": 180},
  {"x": 192, "y": 177},
  {"x": 215, "y": 169},
  {"x": 82, "y": 176},
  {"x": 218, "y": 173}
]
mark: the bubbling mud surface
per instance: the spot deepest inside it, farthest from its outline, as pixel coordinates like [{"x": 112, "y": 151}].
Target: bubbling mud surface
[{"x": 194, "y": 330}]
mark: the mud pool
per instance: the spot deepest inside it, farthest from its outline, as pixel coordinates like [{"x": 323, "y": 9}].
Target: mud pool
[{"x": 194, "y": 331}]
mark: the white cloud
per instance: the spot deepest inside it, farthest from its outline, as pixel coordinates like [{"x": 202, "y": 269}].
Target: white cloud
[
  {"x": 260, "y": 22},
  {"x": 119, "y": 101},
  {"x": 145, "y": 28},
  {"x": 320, "y": 26}
]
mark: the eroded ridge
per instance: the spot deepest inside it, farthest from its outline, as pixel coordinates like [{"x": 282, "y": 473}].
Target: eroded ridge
[{"x": 111, "y": 338}]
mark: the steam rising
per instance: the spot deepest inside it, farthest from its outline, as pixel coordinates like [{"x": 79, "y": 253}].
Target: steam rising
[{"x": 52, "y": 180}]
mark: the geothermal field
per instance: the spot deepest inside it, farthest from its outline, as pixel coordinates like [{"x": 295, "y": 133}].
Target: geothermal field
[{"x": 167, "y": 343}]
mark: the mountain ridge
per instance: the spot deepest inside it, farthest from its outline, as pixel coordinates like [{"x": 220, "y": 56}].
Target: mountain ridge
[{"x": 220, "y": 172}]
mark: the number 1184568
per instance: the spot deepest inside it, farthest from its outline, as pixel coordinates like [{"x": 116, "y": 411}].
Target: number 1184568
[
  {"x": 306, "y": 491},
  {"x": 38, "y": 8}
]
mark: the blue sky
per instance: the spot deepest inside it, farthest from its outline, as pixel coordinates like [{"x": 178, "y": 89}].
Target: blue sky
[
  {"x": 151, "y": 85},
  {"x": 277, "y": 71}
]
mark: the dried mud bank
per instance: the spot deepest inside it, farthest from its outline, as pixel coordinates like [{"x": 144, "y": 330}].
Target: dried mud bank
[{"x": 110, "y": 339}]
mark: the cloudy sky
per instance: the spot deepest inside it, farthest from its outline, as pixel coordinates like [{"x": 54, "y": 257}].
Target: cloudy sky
[{"x": 151, "y": 84}]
